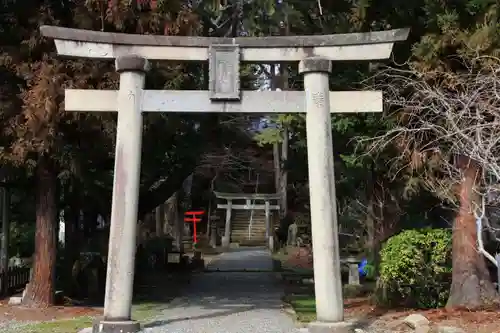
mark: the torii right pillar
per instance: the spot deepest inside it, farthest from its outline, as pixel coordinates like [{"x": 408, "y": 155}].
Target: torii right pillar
[{"x": 327, "y": 279}]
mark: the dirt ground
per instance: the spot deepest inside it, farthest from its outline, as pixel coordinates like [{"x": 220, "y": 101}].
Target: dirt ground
[
  {"x": 297, "y": 258},
  {"x": 23, "y": 314},
  {"x": 162, "y": 292},
  {"x": 380, "y": 320}
]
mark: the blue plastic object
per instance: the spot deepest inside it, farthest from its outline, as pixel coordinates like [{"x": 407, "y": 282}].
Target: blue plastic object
[{"x": 362, "y": 267}]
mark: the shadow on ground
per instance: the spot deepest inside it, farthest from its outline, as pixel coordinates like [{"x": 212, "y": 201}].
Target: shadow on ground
[{"x": 229, "y": 299}]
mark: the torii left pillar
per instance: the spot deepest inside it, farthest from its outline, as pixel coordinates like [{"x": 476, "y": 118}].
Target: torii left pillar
[{"x": 123, "y": 229}]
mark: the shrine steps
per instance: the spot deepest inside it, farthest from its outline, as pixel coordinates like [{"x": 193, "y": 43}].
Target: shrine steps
[{"x": 245, "y": 236}]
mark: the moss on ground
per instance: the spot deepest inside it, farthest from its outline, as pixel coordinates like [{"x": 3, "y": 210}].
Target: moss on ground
[
  {"x": 143, "y": 313},
  {"x": 151, "y": 299},
  {"x": 304, "y": 307}
]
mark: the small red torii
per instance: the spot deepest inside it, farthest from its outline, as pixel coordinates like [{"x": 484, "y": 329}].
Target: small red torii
[{"x": 193, "y": 217}]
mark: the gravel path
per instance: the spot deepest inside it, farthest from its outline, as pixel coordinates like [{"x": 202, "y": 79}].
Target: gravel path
[{"x": 229, "y": 302}]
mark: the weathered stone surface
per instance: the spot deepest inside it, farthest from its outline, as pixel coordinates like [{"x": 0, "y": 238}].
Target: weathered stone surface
[
  {"x": 104, "y": 326},
  {"x": 291, "y": 240},
  {"x": 315, "y": 64},
  {"x": 353, "y": 271},
  {"x": 264, "y": 42},
  {"x": 15, "y": 300},
  {"x": 353, "y": 290},
  {"x": 132, "y": 63},
  {"x": 86, "y": 330},
  {"x": 224, "y": 72},
  {"x": 423, "y": 329},
  {"x": 449, "y": 329},
  {"x": 416, "y": 320},
  {"x": 197, "y": 101},
  {"x": 323, "y": 327}
]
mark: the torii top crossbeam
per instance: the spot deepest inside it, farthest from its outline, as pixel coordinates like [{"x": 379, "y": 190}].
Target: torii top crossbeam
[{"x": 105, "y": 45}]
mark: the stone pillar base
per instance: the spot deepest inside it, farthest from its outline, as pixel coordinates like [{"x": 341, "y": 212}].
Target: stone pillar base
[
  {"x": 119, "y": 326},
  {"x": 270, "y": 243},
  {"x": 225, "y": 243},
  {"x": 330, "y": 327}
]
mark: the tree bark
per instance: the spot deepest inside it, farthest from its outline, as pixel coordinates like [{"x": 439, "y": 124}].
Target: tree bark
[
  {"x": 370, "y": 229},
  {"x": 69, "y": 248},
  {"x": 284, "y": 172},
  {"x": 40, "y": 291},
  {"x": 5, "y": 204},
  {"x": 277, "y": 166},
  {"x": 284, "y": 149},
  {"x": 471, "y": 287},
  {"x": 370, "y": 216},
  {"x": 159, "y": 220}
]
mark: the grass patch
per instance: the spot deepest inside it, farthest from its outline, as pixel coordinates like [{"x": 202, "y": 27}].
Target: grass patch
[
  {"x": 59, "y": 326},
  {"x": 141, "y": 312},
  {"x": 301, "y": 299},
  {"x": 304, "y": 307},
  {"x": 147, "y": 311},
  {"x": 150, "y": 301}
]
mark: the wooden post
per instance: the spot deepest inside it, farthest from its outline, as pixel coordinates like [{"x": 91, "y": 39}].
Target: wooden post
[{"x": 226, "y": 240}]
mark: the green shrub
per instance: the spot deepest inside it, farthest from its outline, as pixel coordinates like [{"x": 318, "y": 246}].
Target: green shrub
[
  {"x": 370, "y": 272},
  {"x": 415, "y": 269}
]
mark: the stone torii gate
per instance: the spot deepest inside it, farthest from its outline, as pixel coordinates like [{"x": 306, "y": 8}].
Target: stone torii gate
[
  {"x": 229, "y": 206},
  {"x": 131, "y": 54}
]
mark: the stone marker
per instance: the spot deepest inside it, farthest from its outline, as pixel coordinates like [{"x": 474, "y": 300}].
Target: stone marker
[
  {"x": 132, "y": 53},
  {"x": 291, "y": 238},
  {"x": 415, "y": 320},
  {"x": 353, "y": 271}
]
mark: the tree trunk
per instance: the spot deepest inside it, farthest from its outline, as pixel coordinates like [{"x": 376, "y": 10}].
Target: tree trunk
[
  {"x": 73, "y": 238},
  {"x": 471, "y": 283},
  {"x": 40, "y": 291},
  {"x": 159, "y": 220},
  {"x": 69, "y": 248},
  {"x": 284, "y": 173},
  {"x": 370, "y": 216},
  {"x": 276, "y": 146},
  {"x": 277, "y": 166},
  {"x": 5, "y": 204},
  {"x": 370, "y": 230},
  {"x": 284, "y": 150}
]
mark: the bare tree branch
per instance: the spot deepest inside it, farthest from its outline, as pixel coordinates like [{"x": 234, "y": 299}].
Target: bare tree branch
[{"x": 438, "y": 116}]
